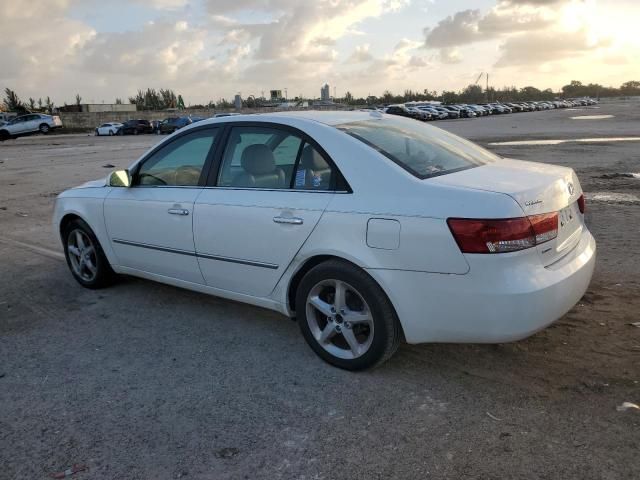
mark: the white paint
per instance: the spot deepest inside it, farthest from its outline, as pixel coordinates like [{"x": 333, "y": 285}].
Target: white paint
[
  {"x": 568, "y": 140},
  {"x": 613, "y": 197},
  {"x": 34, "y": 248},
  {"x": 591, "y": 117}
]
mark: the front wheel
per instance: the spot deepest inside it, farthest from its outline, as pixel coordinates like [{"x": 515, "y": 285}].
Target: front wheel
[
  {"x": 44, "y": 128},
  {"x": 345, "y": 317},
  {"x": 85, "y": 258}
]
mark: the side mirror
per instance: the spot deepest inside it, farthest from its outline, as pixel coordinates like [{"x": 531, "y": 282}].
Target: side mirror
[{"x": 120, "y": 178}]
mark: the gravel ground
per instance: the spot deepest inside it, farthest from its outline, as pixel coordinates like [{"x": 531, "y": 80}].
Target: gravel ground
[{"x": 146, "y": 381}]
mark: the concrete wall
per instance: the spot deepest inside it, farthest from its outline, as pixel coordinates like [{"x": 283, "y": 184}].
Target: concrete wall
[
  {"x": 90, "y": 120},
  {"x": 111, "y": 107}
]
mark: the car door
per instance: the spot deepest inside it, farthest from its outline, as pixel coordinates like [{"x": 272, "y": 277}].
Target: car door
[
  {"x": 18, "y": 125},
  {"x": 265, "y": 200},
  {"x": 150, "y": 224}
]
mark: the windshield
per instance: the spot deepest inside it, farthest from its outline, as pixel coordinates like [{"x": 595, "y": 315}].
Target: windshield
[{"x": 422, "y": 150}]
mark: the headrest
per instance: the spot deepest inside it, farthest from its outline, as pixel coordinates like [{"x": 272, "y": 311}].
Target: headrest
[
  {"x": 258, "y": 160},
  {"x": 312, "y": 160}
]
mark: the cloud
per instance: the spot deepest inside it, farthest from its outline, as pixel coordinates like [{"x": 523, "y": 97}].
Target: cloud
[
  {"x": 42, "y": 49},
  {"x": 458, "y": 29},
  {"x": 450, "y": 56},
  {"x": 547, "y": 46},
  {"x": 361, "y": 54}
]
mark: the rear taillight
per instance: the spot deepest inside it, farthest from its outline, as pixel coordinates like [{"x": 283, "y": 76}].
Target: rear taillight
[
  {"x": 581, "y": 204},
  {"x": 503, "y": 235}
]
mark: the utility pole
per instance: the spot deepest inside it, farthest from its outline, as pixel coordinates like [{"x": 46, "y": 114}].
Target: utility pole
[
  {"x": 286, "y": 93},
  {"x": 486, "y": 90}
]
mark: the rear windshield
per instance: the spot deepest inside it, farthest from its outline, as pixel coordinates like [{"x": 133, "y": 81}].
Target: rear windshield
[{"x": 422, "y": 150}]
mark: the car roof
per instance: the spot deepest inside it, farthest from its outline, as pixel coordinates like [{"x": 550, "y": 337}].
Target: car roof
[{"x": 331, "y": 118}]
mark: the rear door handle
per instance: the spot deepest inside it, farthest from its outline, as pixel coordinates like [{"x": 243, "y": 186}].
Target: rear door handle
[
  {"x": 289, "y": 220},
  {"x": 178, "y": 211}
]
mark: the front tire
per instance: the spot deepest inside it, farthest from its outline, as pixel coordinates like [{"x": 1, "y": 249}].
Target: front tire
[
  {"x": 85, "y": 257},
  {"x": 345, "y": 317},
  {"x": 44, "y": 128}
]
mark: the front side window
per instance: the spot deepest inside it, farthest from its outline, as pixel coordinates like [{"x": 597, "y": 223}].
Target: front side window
[
  {"x": 180, "y": 163},
  {"x": 422, "y": 150}
]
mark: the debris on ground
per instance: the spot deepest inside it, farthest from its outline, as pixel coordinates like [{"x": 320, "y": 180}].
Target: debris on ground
[
  {"x": 108, "y": 165},
  {"x": 78, "y": 467},
  {"x": 22, "y": 214},
  {"x": 635, "y": 324},
  {"x": 494, "y": 417},
  {"x": 228, "y": 452},
  {"x": 627, "y": 406}
]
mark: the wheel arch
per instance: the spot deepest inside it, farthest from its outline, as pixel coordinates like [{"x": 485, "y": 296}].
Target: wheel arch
[
  {"x": 315, "y": 260},
  {"x": 67, "y": 219}
]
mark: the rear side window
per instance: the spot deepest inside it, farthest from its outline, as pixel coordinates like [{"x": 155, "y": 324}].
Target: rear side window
[
  {"x": 270, "y": 158},
  {"x": 422, "y": 150},
  {"x": 258, "y": 157}
]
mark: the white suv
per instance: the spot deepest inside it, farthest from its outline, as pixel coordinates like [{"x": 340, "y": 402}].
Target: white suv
[{"x": 28, "y": 124}]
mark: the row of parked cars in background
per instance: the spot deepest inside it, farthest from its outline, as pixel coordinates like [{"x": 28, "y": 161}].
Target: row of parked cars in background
[
  {"x": 137, "y": 127},
  {"x": 427, "y": 111}
]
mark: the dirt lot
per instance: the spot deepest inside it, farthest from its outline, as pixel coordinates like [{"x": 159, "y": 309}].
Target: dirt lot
[{"x": 145, "y": 381}]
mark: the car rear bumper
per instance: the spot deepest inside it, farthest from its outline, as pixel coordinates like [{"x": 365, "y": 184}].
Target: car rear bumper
[{"x": 503, "y": 298}]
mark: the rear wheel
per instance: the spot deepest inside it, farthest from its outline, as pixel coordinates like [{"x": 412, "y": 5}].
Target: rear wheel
[
  {"x": 111, "y": 133},
  {"x": 85, "y": 258},
  {"x": 4, "y": 135},
  {"x": 346, "y": 317},
  {"x": 44, "y": 128}
]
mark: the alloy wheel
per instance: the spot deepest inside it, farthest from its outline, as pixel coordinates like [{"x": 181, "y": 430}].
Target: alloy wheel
[
  {"x": 82, "y": 255},
  {"x": 339, "y": 319}
]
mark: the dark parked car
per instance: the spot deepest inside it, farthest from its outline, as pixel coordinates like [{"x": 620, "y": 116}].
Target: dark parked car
[
  {"x": 135, "y": 127},
  {"x": 172, "y": 124},
  {"x": 403, "y": 111}
]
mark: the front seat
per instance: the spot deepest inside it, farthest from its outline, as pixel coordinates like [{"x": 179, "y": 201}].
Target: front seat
[
  {"x": 317, "y": 172},
  {"x": 260, "y": 170}
]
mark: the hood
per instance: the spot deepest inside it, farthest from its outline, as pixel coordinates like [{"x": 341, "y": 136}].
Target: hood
[{"x": 94, "y": 183}]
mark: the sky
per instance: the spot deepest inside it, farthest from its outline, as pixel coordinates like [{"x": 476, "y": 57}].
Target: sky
[{"x": 212, "y": 49}]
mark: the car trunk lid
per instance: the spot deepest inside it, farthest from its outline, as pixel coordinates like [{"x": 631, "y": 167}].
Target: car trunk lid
[{"x": 538, "y": 188}]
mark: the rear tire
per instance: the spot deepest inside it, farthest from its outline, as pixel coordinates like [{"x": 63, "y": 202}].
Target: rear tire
[
  {"x": 345, "y": 317},
  {"x": 85, "y": 257},
  {"x": 4, "y": 135}
]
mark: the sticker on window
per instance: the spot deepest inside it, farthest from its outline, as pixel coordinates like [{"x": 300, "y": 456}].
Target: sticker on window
[
  {"x": 317, "y": 180},
  {"x": 301, "y": 178}
]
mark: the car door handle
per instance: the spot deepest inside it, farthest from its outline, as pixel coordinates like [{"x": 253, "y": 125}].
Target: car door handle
[
  {"x": 289, "y": 220},
  {"x": 178, "y": 211}
]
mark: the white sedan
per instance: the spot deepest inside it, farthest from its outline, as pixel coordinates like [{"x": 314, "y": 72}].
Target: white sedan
[
  {"x": 110, "y": 129},
  {"x": 367, "y": 228}
]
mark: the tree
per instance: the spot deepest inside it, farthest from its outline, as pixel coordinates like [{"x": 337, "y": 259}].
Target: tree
[
  {"x": 348, "y": 98},
  {"x": 11, "y": 101},
  {"x": 118, "y": 101},
  {"x": 32, "y": 104},
  {"x": 630, "y": 88},
  {"x": 78, "y": 99},
  {"x": 472, "y": 94},
  {"x": 49, "y": 105},
  {"x": 40, "y": 104}
]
